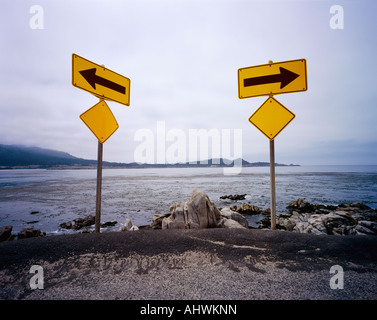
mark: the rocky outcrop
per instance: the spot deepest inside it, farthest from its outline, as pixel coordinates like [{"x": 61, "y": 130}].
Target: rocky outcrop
[
  {"x": 198, "y": 212},
  {"x": 345, "y": 219},
  {"x": 6, "y": 233},
  {"x": 30, "y": 232},
  {"x": 27, "y": 232},
  {"x": 234, "y": 197},
  {"x": 246, "y": 209},
  {"x": 89, "y": 220},
  {"x": 79, "y": 223}
]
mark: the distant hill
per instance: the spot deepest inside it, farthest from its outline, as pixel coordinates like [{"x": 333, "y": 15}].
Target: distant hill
[
  {"x": 21, "y": 157},
  {"x": 33, "y": 157}
]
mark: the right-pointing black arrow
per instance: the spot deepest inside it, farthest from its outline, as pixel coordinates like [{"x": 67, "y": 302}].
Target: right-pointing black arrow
[
  {"x": 93, "y": 79},
  {"x": 285, "y": 77}
]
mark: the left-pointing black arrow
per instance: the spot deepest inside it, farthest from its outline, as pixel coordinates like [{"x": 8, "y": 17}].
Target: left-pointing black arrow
[
  {"x": 285, "y": 77},
  {"x": 91, "y": 77}
]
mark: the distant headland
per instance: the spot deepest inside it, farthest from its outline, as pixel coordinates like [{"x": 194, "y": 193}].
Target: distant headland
[{"x": 21, "y": 157}]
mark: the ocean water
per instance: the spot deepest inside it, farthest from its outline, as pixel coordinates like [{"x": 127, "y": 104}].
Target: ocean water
[{"x": 62, "y": 195}]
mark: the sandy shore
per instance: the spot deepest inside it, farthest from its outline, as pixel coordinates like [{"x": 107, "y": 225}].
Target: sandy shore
[{"x": 190, "y": 264}]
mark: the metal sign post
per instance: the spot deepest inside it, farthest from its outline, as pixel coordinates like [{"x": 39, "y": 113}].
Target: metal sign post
[
  {"x": 99, "y": 188},
  {"x": 272, "y": 185}
]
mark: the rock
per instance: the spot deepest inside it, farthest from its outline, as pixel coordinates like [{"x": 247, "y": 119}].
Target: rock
[
  {"x": 345, "y": 219},
  {"x": 201, "y": 211},
  {"x": 157, "y": 220},
  {"x": 247, "y": 209},
  {"x": 367, "y": 215},
  {"x": 316, "y": 225},
  {"x": 229, "y": 214},
  {"x": 353, "y": 206},
  {"x": 250, "y": 209},
  {"x": 371, "y": 225},
  {"x": 85, "y": 222},
  {"x": 128, "y": 226},
  {"x": 230, "y": 223},
  {"x": 30, "y": 232},
  {"x": 265, "y": 223},
  {"x": 197, "y": 212},
  {"x": 178, "y": 219},
  {"x": 335, "y": 222},
  {"x": 66, "y": 225},
  {"x": 79, "y": 223},
  {"x": 300, "y": 205},
  {"x": 6, "y": 233},
  {"x": 109, "y": 224},
  {"x": 234, "y": 197}
]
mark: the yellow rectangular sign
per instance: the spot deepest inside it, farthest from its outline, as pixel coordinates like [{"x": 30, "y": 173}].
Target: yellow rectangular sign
[
  {"x": 98, "y": 80},
  {"x": 271, "y": 118},
  {"x": 272, "y": 78},
  {"x": 100, "y": 120}
]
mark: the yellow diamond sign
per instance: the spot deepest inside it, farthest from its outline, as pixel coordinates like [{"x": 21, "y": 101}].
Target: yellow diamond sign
[
  {"x": 271, "y": 118},
  {"x": 100, "y": 120}
]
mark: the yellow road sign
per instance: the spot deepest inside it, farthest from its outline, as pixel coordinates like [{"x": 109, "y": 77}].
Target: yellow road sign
[
  {"x": 271, "y": 118},
  {"x": 98, "y": 80},
  {"x": 100, "y": 120},
  {"x": 272, "y": 78}
]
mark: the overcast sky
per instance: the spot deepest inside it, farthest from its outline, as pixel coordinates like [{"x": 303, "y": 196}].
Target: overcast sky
[{"x": 182, "y": 58}]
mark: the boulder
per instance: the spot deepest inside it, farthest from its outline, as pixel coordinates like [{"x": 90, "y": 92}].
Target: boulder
[
  {"x": 89, "y": 220},
  {"x": 157, "y": 220},
  {"x": 30, "y": 232},
  {"x": 128, "y": 226},
  {"x": 316, "y": 225},
  {"x": 6, "y": 233},
  {"x": 109, "y": 224},
  {"x": 231, "y": 215},
  {"x": 200, "y": 210},
  {"x": 178, "y": 219},
  {"x": 66, "y": 225},
  {"x": 197, "y": 212},
  {"x": 230, "y": 224},
  {"x": 363, "y": 228}
]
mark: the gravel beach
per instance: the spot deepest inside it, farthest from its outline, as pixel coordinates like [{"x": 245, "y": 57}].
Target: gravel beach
[{"x": 205, "y": 264}]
